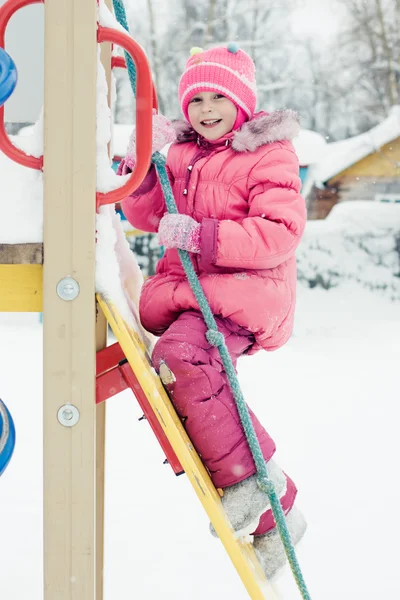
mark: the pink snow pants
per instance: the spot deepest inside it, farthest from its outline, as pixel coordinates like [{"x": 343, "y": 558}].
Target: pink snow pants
[{"x": 201, "y": 395}]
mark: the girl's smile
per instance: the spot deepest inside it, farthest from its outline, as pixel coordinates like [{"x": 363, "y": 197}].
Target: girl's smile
[{"x": 211, "y": 114}]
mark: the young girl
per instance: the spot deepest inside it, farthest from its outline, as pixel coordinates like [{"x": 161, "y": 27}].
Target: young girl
[{"x": 235, "y": 180}]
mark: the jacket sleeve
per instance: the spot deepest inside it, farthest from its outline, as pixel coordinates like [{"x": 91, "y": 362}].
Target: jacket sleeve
[
  {"x": 146, "y": 206},
  {"x": 271, "y": 232}
]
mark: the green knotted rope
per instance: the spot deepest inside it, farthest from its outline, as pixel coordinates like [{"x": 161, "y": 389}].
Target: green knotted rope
[
  {"x": 120, "y": 14},
  {"x": 217, "y": 339}
]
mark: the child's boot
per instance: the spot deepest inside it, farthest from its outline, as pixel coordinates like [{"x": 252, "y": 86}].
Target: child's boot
[
  {"x": 269, "y": 548},
  {"x": 244, "y": 502}
]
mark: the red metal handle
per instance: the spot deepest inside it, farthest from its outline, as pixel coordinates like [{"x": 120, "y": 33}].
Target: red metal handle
[
  {"x": 144, "y": 106},
  {"x": 120, "y": 62},
  {"x": 6, "y": 146}
]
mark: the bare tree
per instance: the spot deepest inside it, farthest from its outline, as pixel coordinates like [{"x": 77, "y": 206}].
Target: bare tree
[
  {"x": 340, "y": 87},
  {"x": 373, "y": 32},
  {"x": 154, "y": 52},
  {"x": 393, "y": 90}
]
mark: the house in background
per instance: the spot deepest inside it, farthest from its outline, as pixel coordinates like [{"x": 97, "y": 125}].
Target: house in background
[
  {"x": 365, "y": 167},
  {"x": 309, "y": 146}
]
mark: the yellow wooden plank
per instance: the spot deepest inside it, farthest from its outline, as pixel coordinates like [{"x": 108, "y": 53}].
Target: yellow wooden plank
[
  {"x": 240, "y": 551},
  {"x": 21, "y": 288}
]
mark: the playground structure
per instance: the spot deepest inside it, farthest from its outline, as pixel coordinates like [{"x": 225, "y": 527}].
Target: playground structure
[
  {"x": 80, "y": 371},
  {"x": 74, "y": 326}
]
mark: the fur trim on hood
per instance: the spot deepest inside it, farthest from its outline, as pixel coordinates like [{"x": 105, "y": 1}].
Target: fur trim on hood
[{"x": 263, "y": 129}]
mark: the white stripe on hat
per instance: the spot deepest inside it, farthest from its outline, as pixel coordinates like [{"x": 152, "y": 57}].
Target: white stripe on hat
[
  {"x": 250, "y": 84},
  {"x": 220, "y": 88}
]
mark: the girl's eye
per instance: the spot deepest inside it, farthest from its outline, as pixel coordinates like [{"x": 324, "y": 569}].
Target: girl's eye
[
  {"x": 195, "y": 100},
  {"x": 219, "y": 96}
]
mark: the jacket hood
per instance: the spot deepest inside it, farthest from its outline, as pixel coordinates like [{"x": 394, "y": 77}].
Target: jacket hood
[{"x": 264, "y": 128}]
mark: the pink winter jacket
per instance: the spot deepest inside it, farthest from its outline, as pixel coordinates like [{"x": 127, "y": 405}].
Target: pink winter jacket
[{"x": 244, "y": 190}]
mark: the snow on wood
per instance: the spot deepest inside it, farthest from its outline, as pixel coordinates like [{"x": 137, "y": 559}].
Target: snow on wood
[{"x": 120, "y": 138}]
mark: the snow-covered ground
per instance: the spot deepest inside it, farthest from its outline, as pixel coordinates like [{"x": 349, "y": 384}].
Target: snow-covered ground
[{"x": 330, "y": 400}]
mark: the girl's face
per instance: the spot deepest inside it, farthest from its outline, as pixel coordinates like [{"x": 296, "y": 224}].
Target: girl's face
[{"x": 211, "y": 114}]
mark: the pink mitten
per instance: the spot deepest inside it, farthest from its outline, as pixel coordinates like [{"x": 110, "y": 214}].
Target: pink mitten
[
  {"x": 163, "y": 134},
  {"x": 180, "y": 231}
]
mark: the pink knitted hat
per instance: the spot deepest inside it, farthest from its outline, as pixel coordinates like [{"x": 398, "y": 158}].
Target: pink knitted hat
[{"x": 227, "y": 70}]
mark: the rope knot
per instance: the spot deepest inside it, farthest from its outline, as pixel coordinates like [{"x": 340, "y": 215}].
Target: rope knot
[
  {"x": 266, "y": 485},
  {"x": 216, "y": 338}
]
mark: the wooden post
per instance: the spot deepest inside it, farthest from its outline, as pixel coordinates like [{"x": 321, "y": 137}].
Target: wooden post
[
  {"x": 101, "y": 342},
  {"x": 69, "y": 325},
  {"x": 101, "y": 410}
]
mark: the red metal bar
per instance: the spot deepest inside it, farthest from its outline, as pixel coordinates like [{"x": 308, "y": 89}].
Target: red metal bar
[
  {"x": 109, "y": 358},
  {"x": 151, "y": 418},
  {"x": 120, "y": 62},
  {"x": 6, "y": 146},
  {"x": 113, "y": 375},
  {"x": 108, "y": 384},
  {"x": 144, "y": 112}
]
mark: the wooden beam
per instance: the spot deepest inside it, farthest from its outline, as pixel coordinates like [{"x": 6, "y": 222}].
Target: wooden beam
[
  {"x": 101, "y": 410},
  {"x": 21, "y": 254},
  {"x": 69, "y": 324}
]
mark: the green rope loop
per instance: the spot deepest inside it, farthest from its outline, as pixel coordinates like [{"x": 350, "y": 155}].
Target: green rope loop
[{"x": 217, "y": 339}]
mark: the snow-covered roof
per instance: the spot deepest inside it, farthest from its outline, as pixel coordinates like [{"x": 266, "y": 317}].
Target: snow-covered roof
[
  {"x": 338, "y": 156},
  {"x": 309, "y": 146}
]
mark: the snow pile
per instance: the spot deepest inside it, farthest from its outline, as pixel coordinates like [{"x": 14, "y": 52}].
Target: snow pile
[
  {"x": 120, "y": 140},
  {"x": 358, "y": 241},
  {"x": 118, "y": 276}
]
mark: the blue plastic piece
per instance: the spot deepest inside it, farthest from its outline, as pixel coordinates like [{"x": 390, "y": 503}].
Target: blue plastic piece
[
  {"x": 233, "y": 47},
  {"x": 7, "y": 437},
  {"x": 8, "y": 76}
]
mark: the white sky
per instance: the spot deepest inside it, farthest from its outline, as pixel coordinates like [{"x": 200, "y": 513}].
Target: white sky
[{"x": 320, "y": 19}]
